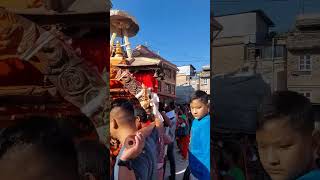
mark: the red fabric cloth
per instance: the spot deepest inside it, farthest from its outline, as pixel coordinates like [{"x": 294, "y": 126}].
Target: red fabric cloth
[
  {"x": 146, "y": 124},
  {"x": 95, "y": 51},
  {"x": 184, "y": 145},
  {"x": 146, "y": 77},
  {"x": 16, "y": 72},
  {"x": 115, "y": 84}
]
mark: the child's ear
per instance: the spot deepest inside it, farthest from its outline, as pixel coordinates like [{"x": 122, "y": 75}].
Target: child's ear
[
  {"x": 114, "y": 124},
  {"x": 137, "y": 121}
]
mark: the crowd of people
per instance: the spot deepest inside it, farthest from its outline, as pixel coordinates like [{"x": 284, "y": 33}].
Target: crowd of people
[
  {"x": 147, "y": 139},
  {"x": 286, "y": 140}
]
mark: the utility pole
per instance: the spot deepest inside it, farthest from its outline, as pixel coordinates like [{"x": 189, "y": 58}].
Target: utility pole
[
  {"x": 272, "y": 59},
  {"x": 301, "y": 6}
]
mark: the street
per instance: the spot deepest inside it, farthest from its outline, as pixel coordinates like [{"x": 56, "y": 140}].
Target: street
[{"x": 181, "y": 165}]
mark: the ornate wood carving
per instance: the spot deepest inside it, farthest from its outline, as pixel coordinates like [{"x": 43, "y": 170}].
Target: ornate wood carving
[{"x": 75, "y": 79}]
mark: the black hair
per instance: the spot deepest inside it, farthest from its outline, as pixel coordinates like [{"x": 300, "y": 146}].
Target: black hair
[
  {"x": 93, "y": 158},
  {"x": 51, "y": 136},
  {"x": 288, "y": 104},
  {"x": 161, "y": 106},
  {"x": 172, "y": 105},
  {"x": 141, "y": 113},
  {"x": 200, "y": 95},
  {"x": 123, "y": 104}
]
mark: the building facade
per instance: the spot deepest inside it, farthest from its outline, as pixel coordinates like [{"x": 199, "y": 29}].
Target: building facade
[
  {"x": 269, "y": 60},
  {"x": 164, "y": 71},
  {"x": 254, "y": 49},
  {"x": 204, "y": 79},
  {"x": 252, "y": 29},
  {"x": 167, "y": 86},
  {"x": 188, "y": 82},
  {"x": 304, "y": 57},
  {"x": 185, "y": 74}
]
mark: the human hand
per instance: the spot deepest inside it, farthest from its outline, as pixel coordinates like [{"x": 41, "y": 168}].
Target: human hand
[
  {"x": 135, "y": 150},
  {"x": 158, "y": 122}
]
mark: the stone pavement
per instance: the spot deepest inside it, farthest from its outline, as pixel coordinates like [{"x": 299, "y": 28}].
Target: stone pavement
[{"x": 181, "y": 166}]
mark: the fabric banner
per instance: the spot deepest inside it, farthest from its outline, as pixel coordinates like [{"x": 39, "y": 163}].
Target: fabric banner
[{"x": 147, "y": 79}]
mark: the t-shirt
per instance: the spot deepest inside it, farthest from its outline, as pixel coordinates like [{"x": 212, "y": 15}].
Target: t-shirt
[
  {"x": 172, "y": 116},
  {"x": 199, "y": 156},
  {"x": 312, "y": 175},
  {"x": 145, "y": 165},
  {"x": 236, "y": 173},
  {"x": 184, "y": 117}
]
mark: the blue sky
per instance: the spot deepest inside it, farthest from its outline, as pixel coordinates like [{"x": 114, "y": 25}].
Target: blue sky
[
  {"x": 282, "y": 12},
  {"x": 178, "y": 30}
]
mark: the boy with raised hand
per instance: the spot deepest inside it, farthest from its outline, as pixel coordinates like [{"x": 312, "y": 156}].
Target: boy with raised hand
[
  {"x": 285, "y": 137},
  {"x": 199, "y": 156},
  {"x": 139, "y": 161}
]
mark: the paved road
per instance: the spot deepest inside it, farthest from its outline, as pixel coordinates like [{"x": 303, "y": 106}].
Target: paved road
[{"x": 181, "y": 166}]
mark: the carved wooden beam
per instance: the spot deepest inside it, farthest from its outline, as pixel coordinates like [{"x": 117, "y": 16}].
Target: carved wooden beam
[{"x": 76, "y": 81}]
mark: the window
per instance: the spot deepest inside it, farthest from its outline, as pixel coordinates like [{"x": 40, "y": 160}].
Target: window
[
  {"x": 167, "y": 73},
  {"x": 257, "y": 53},
  {"x": 174, "y": 75},
  {"x": 168, "y": 88},
  {"x": 306, "y": 94},
  {"x": 305, "y": 63},
  {"x": 205, "y": 81},
  {"x": 173, "y": 90},
  {"x": 279, "y": 51}
]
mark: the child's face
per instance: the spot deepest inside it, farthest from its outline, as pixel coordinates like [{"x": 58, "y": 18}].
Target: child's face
[
  {"x": 198, "y": 108},
  {"x": 284, "y": 152}
]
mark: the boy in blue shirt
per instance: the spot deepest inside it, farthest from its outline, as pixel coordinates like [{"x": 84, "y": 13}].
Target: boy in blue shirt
[{"x": 199, "y": 155}]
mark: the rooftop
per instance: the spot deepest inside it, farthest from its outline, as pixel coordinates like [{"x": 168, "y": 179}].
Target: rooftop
[
  {"x": 188, "y": 65},
  {"x": 258, "y": 11},
  {"x": 206, "y": 67},
  {"x": 308, "y": 21},
  {"x": 143, "y": 56},
  {"x": 215, "y": 25}
]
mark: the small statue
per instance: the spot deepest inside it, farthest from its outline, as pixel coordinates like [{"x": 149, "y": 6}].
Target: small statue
[
  {"x": 118, "y": 50},
  {"x": 144, "y": 97}
]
